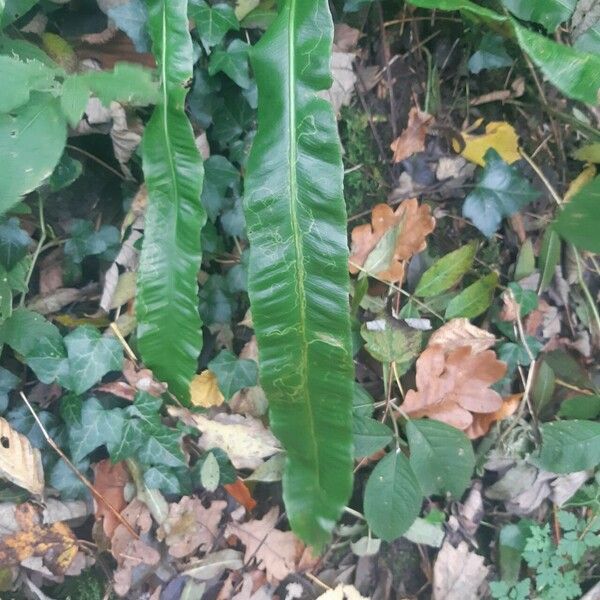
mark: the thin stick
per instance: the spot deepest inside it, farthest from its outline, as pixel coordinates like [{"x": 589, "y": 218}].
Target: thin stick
[
  {"x": 38, "y": 249},
  {"x": 123, "y": 342},
  {"x": 99, "y": 161},
  {"x": 76, "y": 471}
]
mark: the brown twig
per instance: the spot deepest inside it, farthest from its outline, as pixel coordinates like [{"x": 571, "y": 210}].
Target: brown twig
[{"x": 76, "y": 471}]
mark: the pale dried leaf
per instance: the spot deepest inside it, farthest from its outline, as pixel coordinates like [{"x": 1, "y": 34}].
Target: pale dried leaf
[
  {"x": 482, "y": 422},
  {"x": 20, "y": 462},
  {"x": 342, "y": 88},
  {"x": 342, "y": 592},
  {"x": 204, "y": 390},
  {"x": 458, "y": 573},
  {"x": 459, "y": 332},
  {"x": 412, "y": 139}
]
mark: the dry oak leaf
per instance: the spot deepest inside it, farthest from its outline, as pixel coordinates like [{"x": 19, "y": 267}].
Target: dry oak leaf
[
  {"x": 482, "y": 422},
  {"x": 453, "y": 386},
  {"x": 55, "y": 544},
  {"x": 190, "y": 526},
  {"x": 408, "y": 226},
  {"x": 245, "y": 440},
  {"x": 20, "y": 462},
  {"x": 110, "y": 480},
  {"x": 275, "y": 551},
  {"x": 412, "y": 139},
  {"x": 458, "y": 573},
  {"x": 459, "y": 332},
  {"x": 204, "y": 390}
]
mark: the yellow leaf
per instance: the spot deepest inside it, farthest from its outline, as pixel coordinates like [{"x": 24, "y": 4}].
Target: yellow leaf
[
  {"x": 588, "y": 173},
  {"x": 204, "y": 390},
  {"x": 498, "y": 135}
]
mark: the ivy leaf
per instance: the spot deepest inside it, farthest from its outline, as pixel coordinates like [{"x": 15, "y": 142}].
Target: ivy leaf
[
  {"x": 8, "y": 382},
  {"x": 219, "y": 176},
  {"x": 132, "y": 438},
  {"x": 85, "y": 241},
  {"x": 392, "y": 497},
  {"x": 491, "y": 54},
  {"x": 233, "y": 62},
  {"x": 13, "y": 243},
  {"x": 215, "y": 301},
  {"x": 212, "y": 22},
  {"x": 446, "y": 272},
  {"x": 131, "y": 17},
  {"x": 98, "y": 426},
  {"x": 162, "y": 446},
  {"x": 66, "y": 482},
  {"x": 163, "y": 479},
  {"x": 91, "y": 355},
  {"x": 474, "y": 299},
  {"x": 501, "y": 192},
  {"x": 441, "y": 457},
  {"x": 549, "y": 13},
  {"x": 233, "y": 373}
]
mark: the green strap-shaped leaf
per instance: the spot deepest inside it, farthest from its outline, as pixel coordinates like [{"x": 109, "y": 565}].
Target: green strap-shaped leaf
[
  {"x": 169, "y": 333},
  {"x": 298, "y": 278}
]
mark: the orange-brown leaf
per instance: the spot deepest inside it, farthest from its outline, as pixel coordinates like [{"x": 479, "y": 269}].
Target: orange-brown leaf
[
  {"x": 459, "y": 332},
  {"x": 412, "y": 139},
  {"x": 110, "y": 481},
  {"x": 482, "y": 422},
  {"x": 240, "y": 492}
]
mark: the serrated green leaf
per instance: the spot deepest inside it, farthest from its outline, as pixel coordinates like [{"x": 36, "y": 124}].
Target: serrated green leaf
[
  {"x": 298, "y": 278},
  {"x": 99, "y": 426},
  {"x": 392, "y": 497},
  {"x": 570, "y": 446},
  {"x": 549, "y": 13},
  {"x": 169, "y": 327},
  {"x": 441, "y": 457},
  {"x": 577, "y": 222},
  {"x": 369, "y": 436},
  {"x": 500, "y": 192},
  {"x": 233, "y": 373},
  {"x": 91, "y": 356},
  {"x": 580, "y": 407},
  {"x": 32, "y": 138},
  {"x": 212, "y": 22},
  {"x": 474, "y": 299},
  {"x": 573, "y": 72},
  {"x": 549, "y": 258},
  {"x": 233, "y": 62},
  {"x": 393, "y": 343},
  {"x": 491, "y": 54},
  {"x": 14, "y": 242},
  {"x": 446, "y": 272}
]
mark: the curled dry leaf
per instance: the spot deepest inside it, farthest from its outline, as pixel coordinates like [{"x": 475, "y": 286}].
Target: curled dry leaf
[
  {"x": 20, "y": 462},
  {"x": 55, "y": 544},
  {"x": 190, "y": 526},
  {"x": 110, "y": 480},
  {"x": 482, "y": 422},
  {"x": 459, "y": 332},
  {"x": 204, "y": 390},
  {"x": 458, "y": 573},
  {"x": 245, "y": 440},
  {"x": 392, "y": 238},
  {"x": 277, "y": 552},
  {"x": 453, "y": 386},
  {"x": 240, "y": 492},
  {"x": 412, "y": 139}
]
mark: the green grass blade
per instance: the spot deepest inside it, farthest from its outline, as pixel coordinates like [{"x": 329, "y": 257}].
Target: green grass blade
[
  {"x": 169, "y": 327},
  {"x": 298, "y": 278}
]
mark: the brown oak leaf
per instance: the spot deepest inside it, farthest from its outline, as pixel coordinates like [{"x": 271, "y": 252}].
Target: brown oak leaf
[
  {"x": 459, "y": 332},
  {"x": 412, "y": 139},
  {"x": 110, "y": 481},
  {"x": 453, "y": 386},
  {"x": 408, "y": 227},
  {"x": 482, "y": 422}
]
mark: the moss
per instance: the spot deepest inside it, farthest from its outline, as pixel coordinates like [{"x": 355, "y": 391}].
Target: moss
[{"x": 90, "y": 585}]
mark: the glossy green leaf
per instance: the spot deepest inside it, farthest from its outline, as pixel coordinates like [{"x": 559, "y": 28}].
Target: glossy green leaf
[
  {"x": 549, "y": 258},
  {"x": 491, "y": 54},
  {"x": 65, "y": 173},
  {"x": 362, "y": 402},
  {"x": 573, "y": 72},
  {"x": 578, "y": 221},
  {"x": 549, "y": 13},
  {"x": 233, "y": 373},
  {"x": 24, "y": 77},
  {"x": 212, "y": 22},
  {"x": 393, "y": 497},
  {"x": 163, "y": 479},
  {"x": 390, "y": 342},
  {"x": 232, "y": 61},
  {"x": 446, "y": 272},
  {"x": 169, "y": 326},
  {"x": 474, "y": 299},
  {"x": 298, "y": 279},
  {"x": 543, "y": 386},
  {"x": 580, "y": 407},
  {"x": 32, "y": 138},
  {"x": 441, "y": 457},
  {"x": 370, "y": 436},
  {"x": 569, "y": 446},
  {"x": 500, "y": 192}
]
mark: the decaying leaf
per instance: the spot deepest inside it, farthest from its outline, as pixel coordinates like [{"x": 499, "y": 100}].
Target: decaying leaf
[
  {"x": 342, "y": 592},
  {"x": 459, "y": 332},
  {"x": 499, "y": 135},
  {"x": 277, "y": 552},
  {"x": 245, "y": 440},
  {"x": 110, "y": 480},
  {"x": 482, "y": 422},
  {"x": 20, "y": 462},
  {"x": 453, "y": 386},
  {"x": 204, "y": 390},
  {"x": 458, "y": 573},
  {"x": 54, "y": 544},
  {"x": 190, "y": 526},
  {"x": 392, "y": 238},
  {"x": 412, "y": 139}
]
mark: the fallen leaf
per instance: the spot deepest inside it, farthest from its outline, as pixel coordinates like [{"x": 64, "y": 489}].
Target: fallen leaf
[
  {"x": 245, "y": 440},
  {"x": 204, "y": 390},
  {"x": 275, "y": 551},
  {"x": 458, "y": 573},
  {"x": 212, "y": 565},
  {"x": 110, "y": 480},
  {"x": 392, "y": 238},
  {"x": 143, "y": 379},
  {"x": 20, "y": 462},
  {"x": 343, "y": 80},
  {"x": 240, "y": 492},
  {"x": 587, "y": 174},
  {"x": 342, "y": 592},
  {"x": 482, "y": 422},
  {"x": 453, "y": 386},
  {"x": 345, "y": 38},
  {"x": 55, "y": 544},
  {"x": 412, "y": 139},
  {"x": 459, "y": 332},
  {"x": 499, "y": 135},
  {"x": 190, "y": 526}
]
